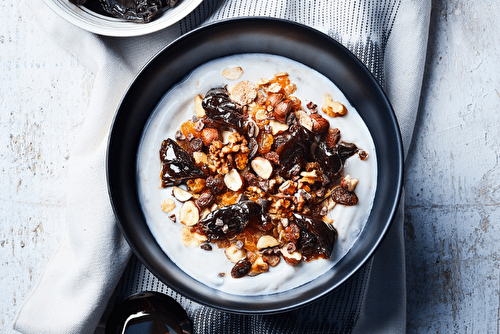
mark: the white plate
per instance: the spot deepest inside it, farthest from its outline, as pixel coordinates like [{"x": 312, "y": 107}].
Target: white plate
[{"x": 108, "y": 26}]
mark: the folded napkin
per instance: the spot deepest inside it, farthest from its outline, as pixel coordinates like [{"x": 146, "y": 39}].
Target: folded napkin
[{"x": 389, "y": 36}]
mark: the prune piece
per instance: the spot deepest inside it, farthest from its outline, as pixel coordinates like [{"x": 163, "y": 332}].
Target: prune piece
[
  {"x": 329, "y": 160},
  {"x": 344, "y": 196},
  {"x": 215, "y": 184},
  {"x": 241, "y": 268},
  {"x": 177, "y": 165},
  {"x": 316, "y": 236},
  {"x": 222, "y": 110},
  {"x": 346, "y": 150},
  {"x": 132, "y": 10},
  {"x": 230, "y": 220},
  {"x": 294, "y": 149}
]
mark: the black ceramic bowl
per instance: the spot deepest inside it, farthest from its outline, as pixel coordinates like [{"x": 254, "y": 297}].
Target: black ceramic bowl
[{"x": 252, "y": 35}]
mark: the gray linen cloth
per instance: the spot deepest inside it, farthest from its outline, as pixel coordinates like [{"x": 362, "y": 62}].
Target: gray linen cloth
[{"x": 390, "y": 38}]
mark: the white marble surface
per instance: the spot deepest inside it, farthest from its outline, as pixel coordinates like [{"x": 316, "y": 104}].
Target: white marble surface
[{"x": 452, "y": 172}]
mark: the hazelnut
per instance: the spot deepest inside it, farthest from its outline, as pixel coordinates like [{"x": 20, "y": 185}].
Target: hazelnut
[
  {"x": 234, "y": 254},
  {"x": 267, "y": 241},
  {"x": 208, "y": 135},
  {"x": 180, "y": 194},
  {"x": 304, "y": 119},
  {"x": 189, "y": 214},
  {"x": 273, "y": 99},
  {"x": 277, "y": 127},
  {"x": 233, "y": 180},
  {"x": 262, "y": 167},
  {"x": 291, "y": 258},
  {"x": 282, "y": 110}
]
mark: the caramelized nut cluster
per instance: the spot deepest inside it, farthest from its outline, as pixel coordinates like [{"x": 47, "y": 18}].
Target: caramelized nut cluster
[{"x": 262, "y": 173}]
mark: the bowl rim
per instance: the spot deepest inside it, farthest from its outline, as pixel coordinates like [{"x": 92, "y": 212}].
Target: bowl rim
[
  {"x": 234, "y": 33},
  {"x": 86, "y": 19}
]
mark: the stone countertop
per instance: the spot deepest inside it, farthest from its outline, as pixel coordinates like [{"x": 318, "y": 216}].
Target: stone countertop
[{"x": 452, "y": 172}]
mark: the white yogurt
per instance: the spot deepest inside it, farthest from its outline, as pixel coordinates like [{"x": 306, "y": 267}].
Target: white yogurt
[{"x": 177, "y": 106}]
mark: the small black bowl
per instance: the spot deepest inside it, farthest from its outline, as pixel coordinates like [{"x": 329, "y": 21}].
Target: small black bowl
[{"x": 252, "y": 35}]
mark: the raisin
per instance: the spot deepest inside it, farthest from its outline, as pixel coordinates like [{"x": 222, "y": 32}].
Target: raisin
[
  {"x": 344, "y": 196},
  {"x": 195, "y": 145},
  {"x": 215, "y": 184},
  {"x": 241, "y": 268},
  {"x": 205, "y": 200}
]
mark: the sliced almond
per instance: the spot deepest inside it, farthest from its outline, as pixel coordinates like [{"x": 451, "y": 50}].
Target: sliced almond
[
  {"x": 293, "y": 258},
  {"x": 304, "y": 119},
  {"x": 267, "y": 241},
  {"x": 333, "y": 108},
  {"x": 192, "y": 239},
  {"x": 180, "y": 194},
  {"x": 277, "y": 127},
  {"x": 262, "y": 167},
  {"x": 168, "y": 205},
  {"x": 234, "y": 254},
  {"x": 233, "y": 180},
  {"x": 232, "y": 73},
  {"x": 189, "y": 214},
  {"x": 198, "y": 109}
]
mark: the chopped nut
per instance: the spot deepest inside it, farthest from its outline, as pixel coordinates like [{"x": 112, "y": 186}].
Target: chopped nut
[
  {"x": 168, "y": 205},
  {"x": 189, "y": 214},
  {"x": 192, "y": 239},
  {"x": 198, "y": 109},
  {"x": 200, "y": 158},
  {"x": 233, "y": 180},
  {"x": 225, "y": 136},
  {"x": 304, "y": 119},
  {"x": 243, "y": 93},
  {"x": 263, "y": 82},
  {"x": 267, "y": 241},
  {"x": 258, "y": 267},
  {"x": 291, "y": 258},
  {"x": 235, "y": 254},
  {"x": 274, "y": 88},
  {"x": 287, "y": 187},
  {"x": 262, "y": 167},
  {"x": 271, "y": 259},
  {"x": 333, "y": 108},
  {"x": 349, "y": 183},
  {"x": 277, "y": 127},
  {"x": 206, "y": 247},
  {"x": 232, "y": 73},
  {"x": 181, "y": 195},
  {"x": 172, "y": 217}
]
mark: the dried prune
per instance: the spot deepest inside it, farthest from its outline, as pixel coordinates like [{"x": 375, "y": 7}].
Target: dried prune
[
  {"x": 316, "y": 236},
  {"x": 346, "y": 150},
  {"x": 293, "y": 148},
  {"x": 344, "y": 196},
  {"x": 177, "y": 165},
  {"x": 329, "y": 160},
  {"x": 222, "y": 110},
  {"x": 230, "y": 220},
  {"x": 132, "y": 10}
]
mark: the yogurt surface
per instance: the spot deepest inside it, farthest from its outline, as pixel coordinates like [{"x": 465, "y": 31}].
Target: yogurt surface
[{"x": 177, "y": 106}]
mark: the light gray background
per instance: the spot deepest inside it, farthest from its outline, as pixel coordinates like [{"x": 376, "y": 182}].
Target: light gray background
[{"x": 452, "y": 173}]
